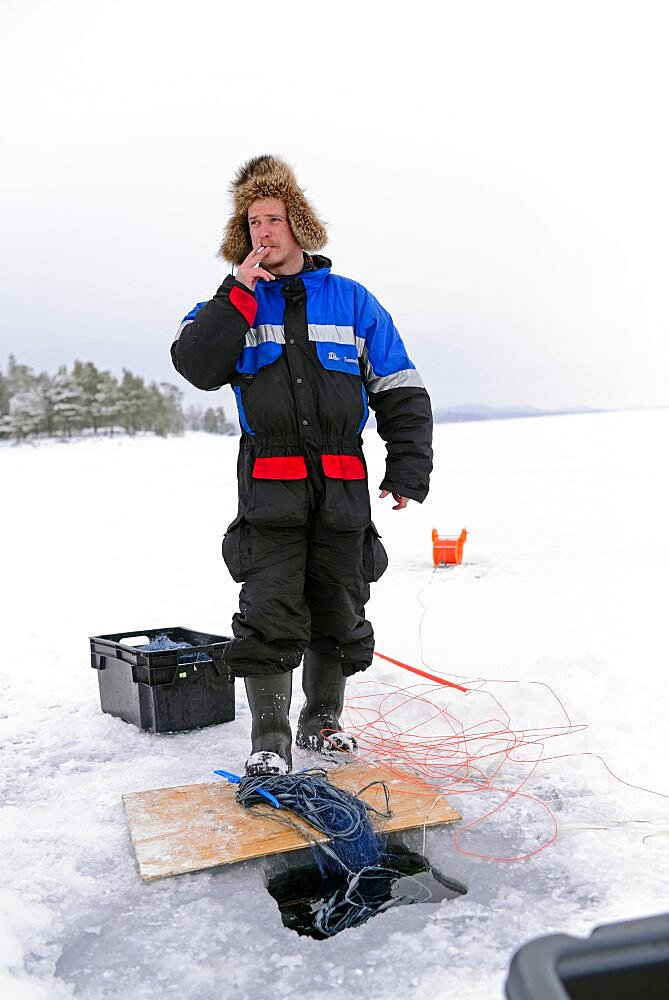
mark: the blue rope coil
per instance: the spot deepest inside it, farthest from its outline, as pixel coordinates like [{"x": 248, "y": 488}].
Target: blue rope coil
[
  {"x": 161, "y": 643},
  {"x": 354, "y": 849}
]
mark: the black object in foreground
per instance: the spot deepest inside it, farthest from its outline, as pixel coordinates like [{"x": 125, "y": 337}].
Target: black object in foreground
[
  {"x": 166, "y": 690},
  {"x": 617, "y": 962}
]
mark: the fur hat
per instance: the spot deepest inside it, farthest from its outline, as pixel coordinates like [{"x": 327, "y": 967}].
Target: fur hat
[{"x": 269, "y": 177}]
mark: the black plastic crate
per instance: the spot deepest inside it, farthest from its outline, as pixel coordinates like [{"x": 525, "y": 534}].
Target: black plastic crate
[
  {"x": 617, "y": 962},
  {"x": 164, "y": 690}
]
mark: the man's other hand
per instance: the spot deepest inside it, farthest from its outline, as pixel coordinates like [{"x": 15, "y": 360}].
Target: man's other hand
[
  {"x": 401, "y": 502},
  {"x": 250, "y": 272}
]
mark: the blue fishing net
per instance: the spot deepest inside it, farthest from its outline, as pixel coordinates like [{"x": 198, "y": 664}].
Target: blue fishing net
[
  {"x": 353, "y": 858},
  {"x": 162, "y": 642}
]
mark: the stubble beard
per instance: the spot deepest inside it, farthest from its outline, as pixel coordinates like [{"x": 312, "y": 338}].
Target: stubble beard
[{"x": 283, "y": 265}]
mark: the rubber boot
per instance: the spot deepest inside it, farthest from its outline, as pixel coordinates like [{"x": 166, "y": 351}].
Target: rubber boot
[
  {"x": 319, "y": 725},
  {"x": 271, "y": 738}
]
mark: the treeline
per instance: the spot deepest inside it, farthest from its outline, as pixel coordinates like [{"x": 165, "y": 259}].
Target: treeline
[{"x": 88, "y": 401}]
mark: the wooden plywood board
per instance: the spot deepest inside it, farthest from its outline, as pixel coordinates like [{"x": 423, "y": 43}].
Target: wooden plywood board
[{"x": 193, "y": 827}]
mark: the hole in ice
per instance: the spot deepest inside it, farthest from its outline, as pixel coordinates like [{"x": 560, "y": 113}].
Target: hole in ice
[{"x": 301, "y": 892}]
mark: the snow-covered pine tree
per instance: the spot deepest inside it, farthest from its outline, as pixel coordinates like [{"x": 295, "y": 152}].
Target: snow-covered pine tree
[
  {"x": 163, "y": 409},
  {"x": 87, "y": 377},
  {"x": 193, "y": 418},
  {"x": 214, "y": 421},
  {"x": 132, "y": 402},
  {"x": 106, "y": 403},
  {"x": 27, "y": 413},
  {"x": 68, "y": 405},
  {"x": 4, "y": 396}
]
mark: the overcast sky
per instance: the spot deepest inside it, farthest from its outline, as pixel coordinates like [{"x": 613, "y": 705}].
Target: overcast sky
[{"x": 496, "y": 173}]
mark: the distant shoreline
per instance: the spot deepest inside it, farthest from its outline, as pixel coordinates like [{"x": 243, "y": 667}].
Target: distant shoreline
[{"x": 467, "y": 414}]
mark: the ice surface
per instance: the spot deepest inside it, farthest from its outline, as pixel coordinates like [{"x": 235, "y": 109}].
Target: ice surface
[{"x": 562, "y": 589}]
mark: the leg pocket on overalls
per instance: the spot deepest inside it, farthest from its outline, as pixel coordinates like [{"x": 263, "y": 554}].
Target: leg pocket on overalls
[
  {"x": 374, "y": 555},
  {"x": 236, "y": 549},
  {"x": 278, "y": 503},
  {"x": 346, "y": 504}
]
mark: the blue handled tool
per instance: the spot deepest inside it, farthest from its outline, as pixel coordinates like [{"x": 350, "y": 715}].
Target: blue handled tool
[{"x": 234, "y": 779}]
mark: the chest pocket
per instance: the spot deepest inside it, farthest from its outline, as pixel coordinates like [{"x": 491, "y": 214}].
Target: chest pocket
[
  {"x": 338, "y": 357},
  {"x": 252, "y": 359}
]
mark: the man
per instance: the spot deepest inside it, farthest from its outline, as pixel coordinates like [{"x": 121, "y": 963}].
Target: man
[{"x": 305, "y": 352}]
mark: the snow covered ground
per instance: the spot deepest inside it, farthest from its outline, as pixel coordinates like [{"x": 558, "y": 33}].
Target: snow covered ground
[{"x": 562, "y": 595}]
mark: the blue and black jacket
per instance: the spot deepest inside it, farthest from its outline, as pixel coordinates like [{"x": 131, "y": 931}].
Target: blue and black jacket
[{"x": 306, "y": 357}]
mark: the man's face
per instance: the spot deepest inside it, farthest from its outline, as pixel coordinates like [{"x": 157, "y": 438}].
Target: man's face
[{"x": 269, "y": 227}]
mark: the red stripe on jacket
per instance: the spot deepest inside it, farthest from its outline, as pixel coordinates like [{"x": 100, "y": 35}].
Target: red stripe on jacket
[{"x": 245, "y": 303}]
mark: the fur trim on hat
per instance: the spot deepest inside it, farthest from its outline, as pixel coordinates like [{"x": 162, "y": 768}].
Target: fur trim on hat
[{"x": 269, "y": 177}]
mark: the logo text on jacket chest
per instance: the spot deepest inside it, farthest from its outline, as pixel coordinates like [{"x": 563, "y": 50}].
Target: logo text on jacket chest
[{"x": 333, "y": 356}]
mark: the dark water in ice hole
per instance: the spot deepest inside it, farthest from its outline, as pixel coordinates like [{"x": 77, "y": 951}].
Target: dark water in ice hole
[{"x": 300, "y": 891}]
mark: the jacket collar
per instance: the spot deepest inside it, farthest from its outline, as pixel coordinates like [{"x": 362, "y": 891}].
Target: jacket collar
[{"x": 311, "y": 279}]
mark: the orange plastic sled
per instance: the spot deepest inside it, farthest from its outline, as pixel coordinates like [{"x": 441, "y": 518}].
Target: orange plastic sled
[{"x": 448, "y": 550}]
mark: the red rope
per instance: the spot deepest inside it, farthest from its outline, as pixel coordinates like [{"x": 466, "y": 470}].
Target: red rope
[
  {"x": 459, "y": 758},
  {"x": 421, "y": 673},
  {"x": 484, "y": 756}
]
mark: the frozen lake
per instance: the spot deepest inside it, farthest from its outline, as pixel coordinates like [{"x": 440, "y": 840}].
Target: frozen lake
[{"x": 556, "y": 620}]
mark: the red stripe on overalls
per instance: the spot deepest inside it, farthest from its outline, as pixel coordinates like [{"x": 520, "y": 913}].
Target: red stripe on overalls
[
  {"x": 343, "y": 467},
  {"x": 280, "y": 467}
]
